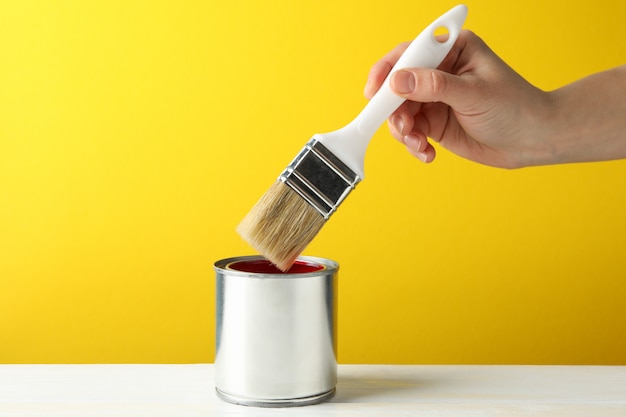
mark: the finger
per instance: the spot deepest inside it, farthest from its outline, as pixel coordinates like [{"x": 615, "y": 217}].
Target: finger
[
  {"x": 432, "y": 121},
  {"x": 381, "y": 69},
  {"x": 415, "y": 141},
  {"x": 401, "y": 120},
  {"x": 375, "y": 79},
  {"x": 422, "y": 150},
  {"x": 466, "y": 46},
  {"x": 395, "y": 128},
  {"x": 429, "y": 86},
  {"x": 403, "y": 127}
]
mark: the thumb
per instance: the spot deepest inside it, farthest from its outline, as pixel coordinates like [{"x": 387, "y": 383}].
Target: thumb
[{"x": 429, "y": 85}]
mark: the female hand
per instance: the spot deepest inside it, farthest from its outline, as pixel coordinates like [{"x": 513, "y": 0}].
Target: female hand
[{"x": 475, "y": 105}]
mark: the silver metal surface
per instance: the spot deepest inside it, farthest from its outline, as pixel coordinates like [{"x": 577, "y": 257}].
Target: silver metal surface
[
  {"x": 276, "y": 335},
  {"x": 320, "y": 177},
  {"x": 296, "y": 402}
]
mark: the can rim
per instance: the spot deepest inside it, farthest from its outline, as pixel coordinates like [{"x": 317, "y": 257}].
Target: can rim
[
  {"x": 329, "y": 266},
  {"x": 276, "y": 403}
]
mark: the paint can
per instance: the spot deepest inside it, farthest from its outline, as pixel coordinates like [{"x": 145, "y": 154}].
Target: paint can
[{"x": 276, "y": 333}]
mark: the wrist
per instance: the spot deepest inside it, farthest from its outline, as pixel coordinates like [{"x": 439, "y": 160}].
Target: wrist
[
  {"x": 540, "y": 130},
  {"x": 584, "y": 121}
]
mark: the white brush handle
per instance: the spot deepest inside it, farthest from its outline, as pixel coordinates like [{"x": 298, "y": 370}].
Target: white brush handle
[{"x": 349, "y": 143}]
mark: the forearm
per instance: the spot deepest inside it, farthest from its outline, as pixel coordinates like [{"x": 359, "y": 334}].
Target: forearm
[{"x": 586, "y": 120}]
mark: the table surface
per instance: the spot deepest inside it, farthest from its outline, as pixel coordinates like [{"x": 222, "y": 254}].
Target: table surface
[{"x": 362, "y": 390}]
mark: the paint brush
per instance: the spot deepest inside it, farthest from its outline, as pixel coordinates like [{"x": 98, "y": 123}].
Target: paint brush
[{"x": 291, "y": 213}]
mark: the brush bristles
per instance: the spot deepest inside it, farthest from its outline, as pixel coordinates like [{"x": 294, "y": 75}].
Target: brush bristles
[{"x": 281, "y": 225}]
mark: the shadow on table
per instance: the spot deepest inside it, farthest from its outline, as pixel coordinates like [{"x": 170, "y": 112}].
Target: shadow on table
[{"x": 368, "y": 388}]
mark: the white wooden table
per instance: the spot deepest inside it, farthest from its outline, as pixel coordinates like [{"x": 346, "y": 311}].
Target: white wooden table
[{"x": 363, "y": 390}]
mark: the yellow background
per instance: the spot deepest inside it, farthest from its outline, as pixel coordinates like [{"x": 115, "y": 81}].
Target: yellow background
[{"x": 134, "y": 135}]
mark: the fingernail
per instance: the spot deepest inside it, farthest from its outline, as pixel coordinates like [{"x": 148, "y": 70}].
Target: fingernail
[
  {"x": 421, "y": 156},
  {"x": 397, "y": 122},
  {"x": 404, "y": 81},
  {"x": 412, "y": 142},
  {"x": 366, "y": 88}
]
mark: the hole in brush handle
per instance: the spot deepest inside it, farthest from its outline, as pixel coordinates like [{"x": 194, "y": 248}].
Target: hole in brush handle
[{"x": 441, "y": 34}]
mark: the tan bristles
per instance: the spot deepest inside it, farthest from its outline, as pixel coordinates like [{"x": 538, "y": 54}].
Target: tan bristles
[{"x": 281, "y": 225}]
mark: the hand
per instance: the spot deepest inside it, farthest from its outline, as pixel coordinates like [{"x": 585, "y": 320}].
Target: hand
[{"x": 474, "y": 105}]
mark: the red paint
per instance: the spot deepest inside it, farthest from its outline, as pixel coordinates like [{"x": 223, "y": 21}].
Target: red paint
[{"x": 263, "y": 266}]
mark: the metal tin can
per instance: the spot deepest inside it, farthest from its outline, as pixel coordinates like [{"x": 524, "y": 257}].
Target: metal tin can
[{"x": 276, "y": 333}]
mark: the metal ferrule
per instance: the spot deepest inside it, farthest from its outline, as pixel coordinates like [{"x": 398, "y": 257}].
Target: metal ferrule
[{"x": 321, "y": 178}]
